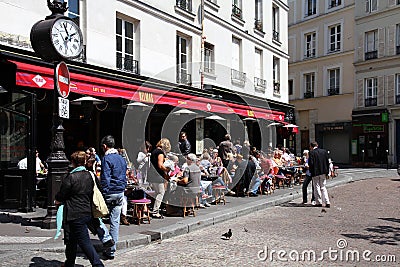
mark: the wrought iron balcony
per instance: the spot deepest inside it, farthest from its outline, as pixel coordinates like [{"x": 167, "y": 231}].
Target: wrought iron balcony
[
  {"x": 398, "y": 50},
  {"x": 258, "y": 24},
  {"x": 275, "y": 35},
  {"x": 236, "y": 11},
  {"x": 238, "y": 76},
  {"x": 370, "y": 102},
  {"x": 333, "y": 91},
  {"x": 310, "y": 54},
  {"x": 397, "y": 99},
  {"x": 333, "y": 3},
  {"x": 277, "y": 88},
  {"x": 184, "y": 4},
  {"x": 260, "y": 84},
  {"x": 183, "y": 77},
  {"x": 127, "y": 64},
  {"x": 371, "y": 55},
  {"x": 309, "y": 94}
]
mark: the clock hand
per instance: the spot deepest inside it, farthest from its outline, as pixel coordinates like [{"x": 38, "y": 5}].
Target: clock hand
[{"x": 65, "y": 27}]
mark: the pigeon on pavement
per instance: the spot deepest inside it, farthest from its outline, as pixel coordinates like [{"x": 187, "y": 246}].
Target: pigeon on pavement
[{"x": 228, "y": 234}]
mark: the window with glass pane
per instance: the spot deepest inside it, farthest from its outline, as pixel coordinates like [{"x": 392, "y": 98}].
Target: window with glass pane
[
  {"x": 290, "y": 87},
  {"x": 209, "y": 58},
  {"x": 125, "y": 45},
  {"x": 334, "y": 3},
  {"x": 276, "y": 67},
  {"x": 398, "y": 39},
  {"x": 258, "y": 15},
  {"x": 334, "y": 81},
  {"x": 311, "y": 7},
  {"x": 275, "y": 23},
  {"x": 73, "y": 10},
  {"x": 397, "y": 84},
  {"x": 309, "y": 80},
  {"x": 310, "y": 44},
  {"x": 182, "y": 51},
  {"x": 334, "y": 38},
  {"x": 371, "y": 5},
  {"x": 371, "y": 41},
  {"x": 371, "y": 87}
]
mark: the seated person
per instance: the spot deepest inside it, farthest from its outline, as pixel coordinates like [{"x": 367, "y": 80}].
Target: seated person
[{"x": 189, "y": 183}]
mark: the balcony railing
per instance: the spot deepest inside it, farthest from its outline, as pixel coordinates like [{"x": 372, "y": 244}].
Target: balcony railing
[
  {"x": 333, "y": 91},
  {"x": 236, "y": 11},
  {"x": 371, "y": 55},
  {"x": 370, "y": 102},
  {"x": 310, "y": 54},
  {"x": 260, "y": 84},
  {"x": 184, "y": 4},
  {"x": 238, "y": 76},
  {"x": 258, "y": 24},
  {"x": 275, "y": 35},
  {"x": 333, "y": 4},
  {"x": 277, "y": 88},
  {"x": 183, "y": 77},
  {"x": 127, "y": 64},
  {"x": 309, "y": 94},
  {"x": 397, "y": 99},
  {"x": 398, "y": 50}
]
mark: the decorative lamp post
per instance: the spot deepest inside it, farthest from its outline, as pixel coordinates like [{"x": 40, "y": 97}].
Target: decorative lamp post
[{"x": 55, "y": 39}]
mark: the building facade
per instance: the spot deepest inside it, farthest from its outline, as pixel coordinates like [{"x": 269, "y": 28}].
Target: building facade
[
  {"x": 226, "y": 58},
  {"x": 321, "y": 74},
  {"x": 376, "y": 114}
]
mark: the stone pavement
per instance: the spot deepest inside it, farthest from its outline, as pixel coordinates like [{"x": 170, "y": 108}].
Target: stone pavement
[{"x": 15, "y": 237}]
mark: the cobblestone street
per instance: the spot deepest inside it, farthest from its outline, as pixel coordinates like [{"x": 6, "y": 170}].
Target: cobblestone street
[{"x": 362, "y": 224}]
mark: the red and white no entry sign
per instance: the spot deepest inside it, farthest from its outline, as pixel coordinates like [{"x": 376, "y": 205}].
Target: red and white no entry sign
[{"x": 62, "y": 79}]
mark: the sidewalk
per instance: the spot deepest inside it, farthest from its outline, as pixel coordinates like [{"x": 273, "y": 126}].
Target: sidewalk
[{"x": 14, "y": 235}]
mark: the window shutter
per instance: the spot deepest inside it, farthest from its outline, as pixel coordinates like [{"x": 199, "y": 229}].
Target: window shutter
[
  {"x": 360, "y": 93},
  {"x": 367, "y": 6},
  {"x": 380, "y": 93},
  {"x": 360, "y": 47},
  {"x": 381, "y": 42},
  {"x": 391, "y": 89},
  {"x": 391, "y": 40}
]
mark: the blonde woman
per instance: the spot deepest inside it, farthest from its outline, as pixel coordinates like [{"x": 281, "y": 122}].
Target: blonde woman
[{"x": 158, "y": 173}]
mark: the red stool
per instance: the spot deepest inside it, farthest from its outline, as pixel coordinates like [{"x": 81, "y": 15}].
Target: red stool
[{"x": 140, "y": 209}]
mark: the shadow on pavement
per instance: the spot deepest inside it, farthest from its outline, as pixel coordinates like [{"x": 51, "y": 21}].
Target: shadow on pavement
[
  {"x": 381, "y": 235},
  {"x": 295, "y": 205},
  {"x": 40, "y": 262}
]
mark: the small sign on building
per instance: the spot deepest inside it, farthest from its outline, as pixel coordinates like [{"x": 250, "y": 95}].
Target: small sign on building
[{"x": 63, "y": 108}]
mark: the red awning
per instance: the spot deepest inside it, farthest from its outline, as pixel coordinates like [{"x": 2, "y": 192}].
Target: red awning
[{"x": 42, "y": 77}]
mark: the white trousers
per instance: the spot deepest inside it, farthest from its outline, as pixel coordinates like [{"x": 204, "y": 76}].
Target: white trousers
[{"x": 320, "y": 192}]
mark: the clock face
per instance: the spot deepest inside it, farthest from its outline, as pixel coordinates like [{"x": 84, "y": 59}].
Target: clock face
[{"x": 67, "y": 38}]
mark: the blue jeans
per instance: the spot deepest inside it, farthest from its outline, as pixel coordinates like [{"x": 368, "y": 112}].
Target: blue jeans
[
  {"x": 255, "y": 182},
  {"x": 102, "y": 232},
  {"x": 114, "y": 204},
  {"x": 79, "y": 235}
]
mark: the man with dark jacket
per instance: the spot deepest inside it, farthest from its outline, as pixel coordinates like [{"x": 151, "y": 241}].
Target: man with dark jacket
[
  {"x": 224, "y": 148},
  {"x": 319, "y": 168},
  {"x": 184, "y": 145},
  {"x": 113, "y": 183}
]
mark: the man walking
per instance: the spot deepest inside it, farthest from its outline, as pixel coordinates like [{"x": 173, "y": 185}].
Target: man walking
[
  {"x": 319, "y": 168},
  {"x": 113, "y": 183}
]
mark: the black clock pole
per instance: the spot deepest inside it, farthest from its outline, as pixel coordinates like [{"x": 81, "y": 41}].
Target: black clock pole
[{"x": 57, "y": 162}]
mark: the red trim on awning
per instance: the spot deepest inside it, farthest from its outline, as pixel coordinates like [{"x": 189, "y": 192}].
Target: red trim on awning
[{"x": 42, "y": 77}]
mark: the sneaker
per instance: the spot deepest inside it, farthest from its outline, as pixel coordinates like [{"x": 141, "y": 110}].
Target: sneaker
[
  {"x": 201, "y": 206},
  {"x": 313, "y": 203},
  {"x": 230, "y": 193},
  {"x": 207, "y": 205},
  {"x": 109, "y": 243}
]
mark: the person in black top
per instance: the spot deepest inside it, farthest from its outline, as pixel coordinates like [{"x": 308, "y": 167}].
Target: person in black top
[
  {"x": 184, "y": 145},
  {"x": 318, "y": 163},
  {"x": 158, "y": 173},
  {"x": 76, "y": 193}
]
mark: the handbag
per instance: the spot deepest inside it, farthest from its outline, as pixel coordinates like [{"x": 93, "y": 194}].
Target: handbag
[{"x": 99, "y": 206}]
